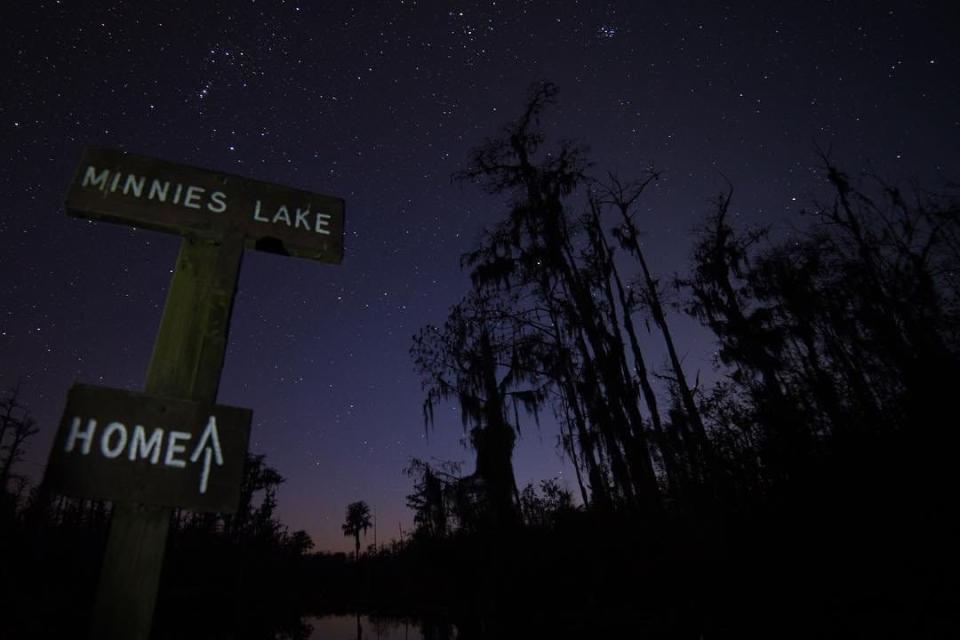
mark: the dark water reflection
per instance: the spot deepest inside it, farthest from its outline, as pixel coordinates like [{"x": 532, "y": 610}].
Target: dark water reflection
[{"x": 362, "y": 627}]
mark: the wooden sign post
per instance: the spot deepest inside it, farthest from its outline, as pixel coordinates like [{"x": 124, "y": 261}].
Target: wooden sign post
[{"x": 218, "y": 216}]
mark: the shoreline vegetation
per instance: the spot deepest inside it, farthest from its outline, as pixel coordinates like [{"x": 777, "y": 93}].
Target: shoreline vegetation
[{"x": 808, "y": 492}]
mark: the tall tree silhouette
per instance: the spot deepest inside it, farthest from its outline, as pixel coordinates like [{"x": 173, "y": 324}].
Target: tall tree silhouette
[
  {"x": 356, "y": 521},
  {"x": 433, "y": 499},
  {"x": 561, "y": 265},
  {"x": 622, "y": 197},
  {"x": 255, "y": 516},
  {"x": 479, "y": 358},
  {"x": 750, "y": 343},
  {"x": 16, "y": 427}
]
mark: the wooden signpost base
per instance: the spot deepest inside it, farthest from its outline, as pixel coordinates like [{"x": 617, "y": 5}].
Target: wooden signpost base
[
  {"x": 187, "y": 362},
  {"x": 130, "y": 573}
]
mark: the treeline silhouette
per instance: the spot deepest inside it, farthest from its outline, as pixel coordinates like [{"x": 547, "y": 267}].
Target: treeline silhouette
[
  {"x": 17, "y": 426},
  {"x": 810, "y": 491}
]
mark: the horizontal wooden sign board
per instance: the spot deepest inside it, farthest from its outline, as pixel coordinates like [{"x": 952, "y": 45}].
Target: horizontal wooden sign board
[
  {"x": 144, "y": 192},
  {"x": 133, "y": 447}
]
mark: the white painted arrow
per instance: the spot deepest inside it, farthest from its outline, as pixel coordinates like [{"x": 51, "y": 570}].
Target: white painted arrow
[{"x": 209, "y": 444}]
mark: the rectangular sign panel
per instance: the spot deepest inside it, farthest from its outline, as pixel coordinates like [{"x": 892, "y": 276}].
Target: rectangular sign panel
[
  {"x": 133, "y": 447},
  {"x": 120, "y": 187}
]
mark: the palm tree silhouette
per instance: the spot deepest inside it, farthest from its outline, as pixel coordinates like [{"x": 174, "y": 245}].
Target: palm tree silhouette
[{"x": 357, "y": 521}]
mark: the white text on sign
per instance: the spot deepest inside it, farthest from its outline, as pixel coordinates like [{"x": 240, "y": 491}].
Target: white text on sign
[
  {"x": 200, "y": 198},
  {"x": 116, "y": 440}
]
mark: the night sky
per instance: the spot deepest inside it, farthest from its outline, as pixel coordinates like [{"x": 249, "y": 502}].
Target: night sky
[{"x": 379, "y": 103}]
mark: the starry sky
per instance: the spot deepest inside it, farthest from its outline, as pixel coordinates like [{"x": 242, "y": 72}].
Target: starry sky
[{"x": 379, "y": 103}]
